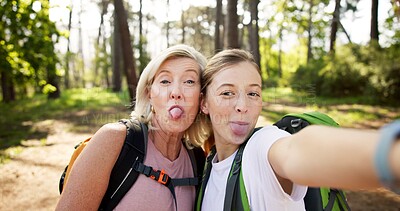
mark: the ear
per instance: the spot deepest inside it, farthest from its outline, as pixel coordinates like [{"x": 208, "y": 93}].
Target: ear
[{"x": 203, "y": 104}]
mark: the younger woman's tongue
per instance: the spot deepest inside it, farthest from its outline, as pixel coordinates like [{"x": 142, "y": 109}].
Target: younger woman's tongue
[{"x": 239, "y": 128}]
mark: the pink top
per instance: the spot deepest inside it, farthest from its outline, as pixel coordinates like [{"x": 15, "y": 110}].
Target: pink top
[{"x": 148, "y": 194}]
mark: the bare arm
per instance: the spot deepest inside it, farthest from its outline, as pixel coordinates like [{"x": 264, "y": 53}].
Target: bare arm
[
  {"x": 90, "y": 174},
  {"x": 333, "y": 157}
]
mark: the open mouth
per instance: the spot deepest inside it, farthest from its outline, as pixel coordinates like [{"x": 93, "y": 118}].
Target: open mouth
[
  {"x": 176, "y": 112},
  {"x": 239, "y": 128}
]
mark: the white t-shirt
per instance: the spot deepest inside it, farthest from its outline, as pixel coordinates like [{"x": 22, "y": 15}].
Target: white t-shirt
[{"x": 263, "y": 189}]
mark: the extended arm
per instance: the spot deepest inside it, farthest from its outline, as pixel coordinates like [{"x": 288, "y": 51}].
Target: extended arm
[
  {"x": 90, "y": 174},
  {"x": 333, "y": 157}
]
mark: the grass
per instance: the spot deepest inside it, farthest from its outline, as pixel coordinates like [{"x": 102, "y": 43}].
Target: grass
[
  {"x": 348, "y": 112},
  {"x": 30, "y": 118}
]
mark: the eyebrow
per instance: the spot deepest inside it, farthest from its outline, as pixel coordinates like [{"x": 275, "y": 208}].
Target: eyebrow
[
  {"x": 232, "y": 85},
  {"x": 188, "y": 70}
]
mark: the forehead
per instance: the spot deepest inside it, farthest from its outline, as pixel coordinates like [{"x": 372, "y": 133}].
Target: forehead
[
  {"x": 177, "y": 65},
  {"x": 243, "y": 73}
]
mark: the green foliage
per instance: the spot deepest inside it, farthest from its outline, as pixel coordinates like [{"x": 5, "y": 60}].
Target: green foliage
[
  {"x": 48, "y": 88},
  {"x": 367, "y": 71},
  {"x": 27, "y": 39}
]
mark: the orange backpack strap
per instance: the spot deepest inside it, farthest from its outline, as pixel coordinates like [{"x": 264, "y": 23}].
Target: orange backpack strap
[{"x": 78, "y": 149}]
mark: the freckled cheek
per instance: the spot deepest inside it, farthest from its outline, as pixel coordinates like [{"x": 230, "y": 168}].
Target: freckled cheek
[{"x": 218, "y": 114}]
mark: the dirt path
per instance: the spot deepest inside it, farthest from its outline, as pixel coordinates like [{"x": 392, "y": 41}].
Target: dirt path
[{"x": 30, "y": 180}]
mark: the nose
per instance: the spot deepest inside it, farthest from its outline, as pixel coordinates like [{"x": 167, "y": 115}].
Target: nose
[
  {"x": 241, "y": 105},
  {"x": 176, "y": 93}
]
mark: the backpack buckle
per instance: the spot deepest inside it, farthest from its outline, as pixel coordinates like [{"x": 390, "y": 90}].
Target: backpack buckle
[{"x": 163, "y": 177}]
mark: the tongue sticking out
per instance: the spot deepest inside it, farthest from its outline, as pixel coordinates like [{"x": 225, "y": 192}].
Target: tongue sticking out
[
  {"x": 239, "y": 129},
  {"x": 175, "y": 113}
]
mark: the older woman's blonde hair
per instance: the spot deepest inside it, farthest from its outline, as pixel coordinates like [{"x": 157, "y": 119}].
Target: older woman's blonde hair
[{"x": 196, "y": 134}]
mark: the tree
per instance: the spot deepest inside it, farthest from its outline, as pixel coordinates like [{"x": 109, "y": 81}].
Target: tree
[
  {"x": 68, "y": 53},
  {"x": 231, "y": 30},
  {"x": 116, "y": 58},
  {"x": 309, "y": 29},
  {"x": 334, "y": 26},
  {"x": 127, "y": 51},
  {"x": 253, "y": 35},
  {"x": 197, "y": 26},
  {"x": 374, "y": 22},
  {"x": 167, "y": 24},
  {"x": 27, "y": 38},
  {"x": 218, "y": 23}
]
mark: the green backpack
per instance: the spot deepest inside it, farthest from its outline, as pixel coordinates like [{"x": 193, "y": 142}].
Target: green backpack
[{"x": 316, "y": 199}]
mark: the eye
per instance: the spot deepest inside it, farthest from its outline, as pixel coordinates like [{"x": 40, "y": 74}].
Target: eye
[
  {"x": 227, "y": 93},
  {"x": 190, "y": 82},
  {"x": 254, "y": 94},
  {"x": 164, "y": 81}
]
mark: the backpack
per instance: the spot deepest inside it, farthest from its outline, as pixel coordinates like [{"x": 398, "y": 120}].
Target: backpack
[
  {"x": 316, "y": 199},
  {"x": 130, "y": 164}
]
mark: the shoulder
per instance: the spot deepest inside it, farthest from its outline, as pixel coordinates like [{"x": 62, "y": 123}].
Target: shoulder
[
  {"x": 261, "y": 141},
  {"x": 115, "y": 130},
  {"x": 267, "y": 135},
  {"x": 110, "y": 136},
  {"x": 114, "y": 127}
]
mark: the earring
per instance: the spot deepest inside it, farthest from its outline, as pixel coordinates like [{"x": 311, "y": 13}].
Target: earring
[{"x": 152, "y": 109}]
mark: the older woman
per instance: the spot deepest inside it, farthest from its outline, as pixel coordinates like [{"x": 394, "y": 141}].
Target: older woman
[
  {"x": 277, "y": 167},
  {"x": 168, "y": 96}
]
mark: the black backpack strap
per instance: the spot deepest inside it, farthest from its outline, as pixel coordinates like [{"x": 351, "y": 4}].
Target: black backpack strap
[
  {"x": 122, "y": 175},
  {"x": 231, "y": 193},
  {"x": 162, "y": 177},
  {"x": 235, "y": 194},
  {"x": 334, "y": 195},
  {"x": 198, "y": 159},
  {"x": 206, "y": 176},
  {"x": 234, "y": 190}
]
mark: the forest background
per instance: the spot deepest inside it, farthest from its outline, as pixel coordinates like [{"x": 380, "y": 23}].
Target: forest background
[{"x": 67, "y": 67}]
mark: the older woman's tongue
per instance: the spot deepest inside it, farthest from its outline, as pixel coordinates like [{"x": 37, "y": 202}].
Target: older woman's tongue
[{"x": 176, "y": 112}]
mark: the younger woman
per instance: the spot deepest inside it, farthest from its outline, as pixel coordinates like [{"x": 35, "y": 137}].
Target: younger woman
[{"x": 277, "y": 167}]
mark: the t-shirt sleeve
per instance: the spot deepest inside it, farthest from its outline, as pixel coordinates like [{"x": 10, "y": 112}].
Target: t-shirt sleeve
[{"x": 259, "y": 178}]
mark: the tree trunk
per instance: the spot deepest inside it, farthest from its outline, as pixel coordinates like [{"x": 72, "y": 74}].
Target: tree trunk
[
  {"x": 127, "y": 51},
  {"x": 116, "y": 59},
  {"x": 374, "y": 22},
  {"x": 231, "y": 31},
  {"x": 96, "y": 79},
  {"x": 7, "y": 87},
  {"x": 309, "y": 47},
  {"x": 254, "y": 37},
  {"x": 183, "y": 24},
  {"x": 82, "y": 64},
  {"x": 68, "y": 53},
  {"x": 141, "y": 38},
  {"x": 334, "y": 27},
  {"x": 167, "y": 26},
  {"x": 52, "y": 79},
  {"x": 280, "y": 35},
  {"x": 218, "y": 22}
]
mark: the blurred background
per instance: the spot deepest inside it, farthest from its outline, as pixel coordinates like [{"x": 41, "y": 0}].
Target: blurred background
[{"x": 69, "y": 66}]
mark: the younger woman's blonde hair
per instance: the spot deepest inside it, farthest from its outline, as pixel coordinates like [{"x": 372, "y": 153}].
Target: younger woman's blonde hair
[{"x": 196, "y": 134}]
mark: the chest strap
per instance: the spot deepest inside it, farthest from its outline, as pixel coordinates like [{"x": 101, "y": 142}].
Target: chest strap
[{"x": 161, "y": 177}]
